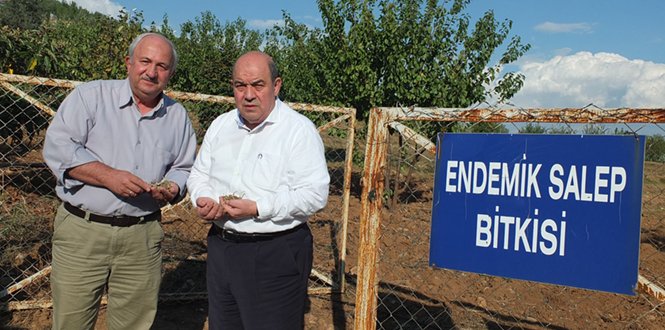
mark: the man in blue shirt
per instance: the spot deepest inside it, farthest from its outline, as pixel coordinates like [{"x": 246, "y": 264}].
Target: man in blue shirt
[{"x": 109, "y": 141}]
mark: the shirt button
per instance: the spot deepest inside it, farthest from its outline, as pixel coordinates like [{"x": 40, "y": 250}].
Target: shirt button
[{"x": 137, "y": 167}]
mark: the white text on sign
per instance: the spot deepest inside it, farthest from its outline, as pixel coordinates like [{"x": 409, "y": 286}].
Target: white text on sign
[{"x": 521, "y": 180}]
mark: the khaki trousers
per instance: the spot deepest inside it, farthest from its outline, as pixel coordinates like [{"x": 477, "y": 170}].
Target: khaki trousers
[{"x": 87, "y": 256}]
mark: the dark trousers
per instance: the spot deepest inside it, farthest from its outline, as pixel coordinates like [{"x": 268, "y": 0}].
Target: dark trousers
[{"x": 258, "y": 285}]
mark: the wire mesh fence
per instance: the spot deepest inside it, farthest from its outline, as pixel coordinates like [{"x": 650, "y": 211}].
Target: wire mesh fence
[
  {"x": 388, "y": 282},
  {"x": 398, "y": 289},
  {"x": 28, "y": 202}
]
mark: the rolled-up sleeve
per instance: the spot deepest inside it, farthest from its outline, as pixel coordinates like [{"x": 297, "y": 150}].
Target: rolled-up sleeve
[{"x": 64, "y": 145}]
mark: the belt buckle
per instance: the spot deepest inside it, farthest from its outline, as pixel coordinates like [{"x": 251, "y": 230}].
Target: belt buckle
[
  {"x": 230, "y": 235},
  {"x": 120, "y": 221}
]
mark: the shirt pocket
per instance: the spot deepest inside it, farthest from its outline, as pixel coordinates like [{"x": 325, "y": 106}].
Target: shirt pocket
[
  {"x": 267, "y": 171},
  {"x": 156, "y": 163}
]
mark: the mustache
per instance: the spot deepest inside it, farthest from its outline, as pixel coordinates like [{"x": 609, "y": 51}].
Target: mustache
[{"x": 146, "y": 77}]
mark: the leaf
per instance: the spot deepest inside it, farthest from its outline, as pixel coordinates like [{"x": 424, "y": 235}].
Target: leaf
[{"x": 33, "y": 64}]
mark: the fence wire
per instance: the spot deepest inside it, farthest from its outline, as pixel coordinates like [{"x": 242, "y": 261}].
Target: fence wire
[
  {"x": 387, "y": 282},
  {"x": 28, "y": 202},
  {"x": 397, "y": 289}
]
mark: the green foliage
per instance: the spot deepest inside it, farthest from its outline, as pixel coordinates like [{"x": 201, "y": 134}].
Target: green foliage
[
  {"x": 621, "y": 131},
  {"x": 560, "y": 129},
  {"x": 23, "y": 51},
  {"x": 76, "y": 50},
  {"x": 91, "y": 46},
  {"x": 62, "y": 11},
  {"x": 207, "y": 51},
  {"x": 31, "y": 14},
  {"x": 94, "y": 51},
  {"x": 588, "y": 129},
  {"x": 368, "y": 54},
  {"x": 533, "y": 128},
  {"x": 17, "y": 49},
  {"x": 23, "y": 14},
  {"x": 414, "y": 52},
  {"x": 594, "y": 129},
  {"x": 655, "y": 148},
  {"x": 481, "y": 127}
]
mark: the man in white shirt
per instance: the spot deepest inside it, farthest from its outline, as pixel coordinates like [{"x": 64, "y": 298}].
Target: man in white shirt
[{"x": 259, "y": 247}]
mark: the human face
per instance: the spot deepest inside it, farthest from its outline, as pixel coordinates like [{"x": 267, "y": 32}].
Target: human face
[
  {"x": 150, "y": 69},
  {"x": 253, "y": 89}
]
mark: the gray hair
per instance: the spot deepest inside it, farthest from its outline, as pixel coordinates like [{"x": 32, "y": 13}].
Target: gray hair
[{"x": 137, "y": 40}]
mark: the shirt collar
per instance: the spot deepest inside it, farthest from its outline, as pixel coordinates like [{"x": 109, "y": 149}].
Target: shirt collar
[
  {"x": 127, "y": 98},
  {"x": 273, "y": 117}
]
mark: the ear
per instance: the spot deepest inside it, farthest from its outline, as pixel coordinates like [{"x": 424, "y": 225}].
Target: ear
[
  {"x": 278, "y": 85},
  {"x": 127, "y": 60}
]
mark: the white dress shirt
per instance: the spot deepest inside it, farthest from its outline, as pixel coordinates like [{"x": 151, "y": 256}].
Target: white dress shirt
[{"x": 280, "y": 165}]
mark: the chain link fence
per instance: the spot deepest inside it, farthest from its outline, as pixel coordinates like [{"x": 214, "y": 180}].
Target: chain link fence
[
  {"x": 28, "y": 202},
  {"x": 388, "y": 283},
  {"x": 397, "y": 289}
]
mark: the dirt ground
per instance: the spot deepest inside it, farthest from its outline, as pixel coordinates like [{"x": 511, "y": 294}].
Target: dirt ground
[
  {"x": 172, "y": 316},
  {"x": 413, "y": 295}
]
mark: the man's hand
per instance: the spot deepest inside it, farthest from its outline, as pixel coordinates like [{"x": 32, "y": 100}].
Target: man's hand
[
  {"x": 121, "y": 183},
  {"x": 208, "y": 209},
  {"x": 127, "y": 184},
  {"x": 239, "y": 208},
  {"x": 163, "y": 195}
]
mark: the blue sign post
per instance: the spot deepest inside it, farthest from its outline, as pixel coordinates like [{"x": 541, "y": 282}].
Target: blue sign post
[{"x": 559, "y": 209}]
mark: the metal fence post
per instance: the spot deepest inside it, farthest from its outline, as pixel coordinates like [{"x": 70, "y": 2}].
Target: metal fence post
[{"x": 370, "y": 220}]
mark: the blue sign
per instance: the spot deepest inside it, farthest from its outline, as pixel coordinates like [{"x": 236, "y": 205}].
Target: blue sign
[{"x": 559, "y": 209}]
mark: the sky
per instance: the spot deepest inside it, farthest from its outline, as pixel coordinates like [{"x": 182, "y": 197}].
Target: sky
[{"x": 608, "y": 53}]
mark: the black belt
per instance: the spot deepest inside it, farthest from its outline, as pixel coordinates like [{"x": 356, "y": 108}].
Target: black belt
[
  {"x": 233, "y": 236},
  {"x": 119, "y": 221}
]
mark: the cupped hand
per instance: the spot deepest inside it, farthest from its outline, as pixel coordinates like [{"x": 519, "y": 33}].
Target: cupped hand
[
  {"x": 163, "y": 195},
  {"x": 208, "y": 209}
]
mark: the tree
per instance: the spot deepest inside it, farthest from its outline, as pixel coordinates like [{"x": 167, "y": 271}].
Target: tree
[
  {"x": 31, "y": 14},
  {"x": 23, "y": 14},
  {"x": 533, "y": 128},
  {"x": 655, "y": 148},
  {"x": 412, "y": 53},
  {"x": 560, "y": 129},
  {"x": 594, "y": 129},
  {"x": 63, "y": 11},
  {"x": 207, "y": 51},
  {"x": 77, "y": 50},
  {"x": 93, "y": 49}
]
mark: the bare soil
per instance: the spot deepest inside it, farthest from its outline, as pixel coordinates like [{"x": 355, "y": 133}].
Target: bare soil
[{"x": 413, "y": 295}]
